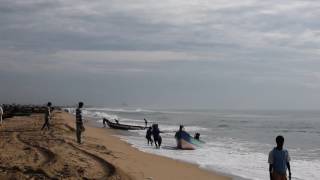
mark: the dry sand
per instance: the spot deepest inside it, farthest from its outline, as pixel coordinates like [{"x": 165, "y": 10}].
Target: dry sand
[{"x": 26, "y": 152}]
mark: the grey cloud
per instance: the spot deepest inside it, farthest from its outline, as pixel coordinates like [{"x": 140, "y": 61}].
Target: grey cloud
[
  {"x": 77, "y": 25},
  {"x": 220, "y": 53}
]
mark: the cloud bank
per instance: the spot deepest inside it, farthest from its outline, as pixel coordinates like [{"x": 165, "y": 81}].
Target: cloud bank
[{"x": 219, "y": 54}]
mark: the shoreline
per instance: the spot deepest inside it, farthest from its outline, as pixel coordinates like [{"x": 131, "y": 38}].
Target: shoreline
[
  {"x": 170, "y": 164},
  {"x": 28, "y": 152},
  {"x": 117, "y": 134}
]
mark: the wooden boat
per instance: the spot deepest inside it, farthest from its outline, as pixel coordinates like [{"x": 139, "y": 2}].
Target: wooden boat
[
  {"x": 124, "y": 126},
  {"x": 186, "y": 142},
  {"x": 185, "y": 145}
]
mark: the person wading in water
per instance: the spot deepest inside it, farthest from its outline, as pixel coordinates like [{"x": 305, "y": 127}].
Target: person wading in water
[
  {"x": 156, "y": 135},
  {"x": 148, "y": 136},
  {"x": 145, "y": 122}
]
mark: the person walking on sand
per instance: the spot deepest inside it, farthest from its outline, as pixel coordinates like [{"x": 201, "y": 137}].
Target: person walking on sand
[
  {"x": 47, "y": 117},
  {"x": 1, "y": 114},
  {"x": 279, "y": 161},
  {"x": 79, "y": 122}
]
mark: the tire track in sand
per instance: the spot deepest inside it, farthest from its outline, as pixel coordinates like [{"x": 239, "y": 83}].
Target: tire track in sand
[
  {"x": 108, "y": 168},
  {"x": 27, "y": 171},
  {"x": 49, "y": 156}
]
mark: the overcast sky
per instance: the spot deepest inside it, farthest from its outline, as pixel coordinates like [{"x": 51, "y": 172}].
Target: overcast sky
[{"x": 220, "y": 54}]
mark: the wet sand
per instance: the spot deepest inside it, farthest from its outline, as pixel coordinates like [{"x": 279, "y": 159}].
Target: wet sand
[{"x": 26, "y": 152}]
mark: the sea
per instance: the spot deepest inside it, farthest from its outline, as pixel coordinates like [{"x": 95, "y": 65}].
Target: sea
[{"x": 237, "y": 142}]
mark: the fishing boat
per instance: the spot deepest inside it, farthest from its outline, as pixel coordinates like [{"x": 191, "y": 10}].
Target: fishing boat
[
  {"x": 124, "y": 126},
  {"x": 186, "y": 142}
]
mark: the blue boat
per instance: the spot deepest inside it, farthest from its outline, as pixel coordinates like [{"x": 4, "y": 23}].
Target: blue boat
[{"x": 187, "y": 142}]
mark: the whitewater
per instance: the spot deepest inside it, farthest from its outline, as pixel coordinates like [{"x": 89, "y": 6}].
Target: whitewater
[{"x": 237, "y": 142}]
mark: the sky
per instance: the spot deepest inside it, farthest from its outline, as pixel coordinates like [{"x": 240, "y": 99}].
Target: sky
[{"x": 216, "y": 54}]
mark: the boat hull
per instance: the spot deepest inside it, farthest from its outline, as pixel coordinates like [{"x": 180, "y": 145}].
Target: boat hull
[
  {"x": 124, "y": 126},
  {"x": 185, "y": 145},
  {"x": 186, "y": 142}
]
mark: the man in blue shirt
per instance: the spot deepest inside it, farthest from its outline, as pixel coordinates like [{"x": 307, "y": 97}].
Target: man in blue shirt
[{"x": 279, "y": 161}]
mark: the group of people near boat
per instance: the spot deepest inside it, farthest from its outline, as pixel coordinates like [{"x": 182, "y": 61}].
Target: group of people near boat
[
  {"x": 278, "y": 159},
  {"x": 154, "y": 131}
]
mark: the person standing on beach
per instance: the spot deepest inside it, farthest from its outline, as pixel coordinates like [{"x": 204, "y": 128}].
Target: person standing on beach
[
  {"x": 1, "y": 114},
  {"x": 47, "y": 117},
  {"x": 279, "y": 161},
  {"x": 79, "y": 122}
]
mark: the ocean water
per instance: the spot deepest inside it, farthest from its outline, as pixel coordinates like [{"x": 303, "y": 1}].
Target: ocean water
[{"x": 237, "y": 142}]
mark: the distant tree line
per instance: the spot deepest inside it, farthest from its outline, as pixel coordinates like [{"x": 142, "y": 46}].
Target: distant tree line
[{"x": 11, "y": 110}]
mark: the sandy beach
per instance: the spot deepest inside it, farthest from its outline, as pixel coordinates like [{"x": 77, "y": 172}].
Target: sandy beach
[{"x": 28, "y": 153}]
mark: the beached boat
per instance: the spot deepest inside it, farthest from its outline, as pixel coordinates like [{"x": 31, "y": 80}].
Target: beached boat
[
  {"x": 186, "y": 142},
  {"x": 124, "y": 126},
  {"x": 185, "y": 145}
]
